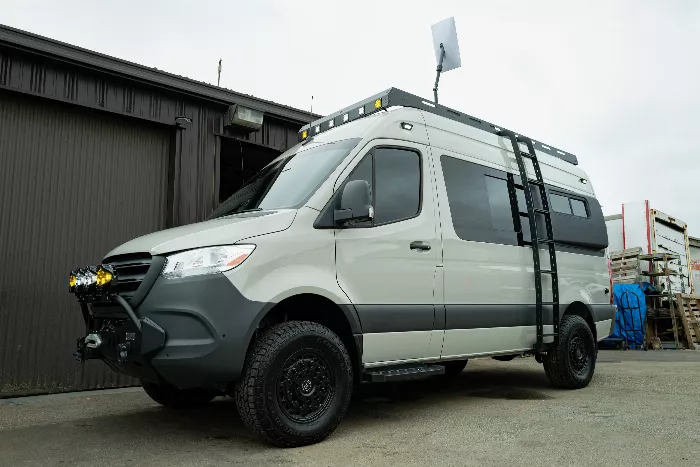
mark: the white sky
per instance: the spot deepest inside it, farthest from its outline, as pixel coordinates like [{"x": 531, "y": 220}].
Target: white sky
[{"x": 614, "y": 82}]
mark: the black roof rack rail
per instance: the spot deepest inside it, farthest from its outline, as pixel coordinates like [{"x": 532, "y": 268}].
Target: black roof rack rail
[{"x": 395, "y": 97}]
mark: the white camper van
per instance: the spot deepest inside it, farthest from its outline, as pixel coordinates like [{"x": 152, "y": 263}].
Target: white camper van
[{"x": 396, "y": 240}]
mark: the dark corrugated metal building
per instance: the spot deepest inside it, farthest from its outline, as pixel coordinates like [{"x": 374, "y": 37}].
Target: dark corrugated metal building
[{"x": 95, "y": 151}]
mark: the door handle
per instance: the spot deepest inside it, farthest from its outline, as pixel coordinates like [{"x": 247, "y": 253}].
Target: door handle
[{"x": 420, "y": 245}]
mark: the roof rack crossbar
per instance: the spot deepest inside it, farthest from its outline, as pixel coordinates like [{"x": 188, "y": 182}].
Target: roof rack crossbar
[{"x": 395, "y": 97}]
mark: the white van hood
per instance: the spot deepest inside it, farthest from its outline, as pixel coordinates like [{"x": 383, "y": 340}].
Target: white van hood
[{"x": 223, "y": 231}]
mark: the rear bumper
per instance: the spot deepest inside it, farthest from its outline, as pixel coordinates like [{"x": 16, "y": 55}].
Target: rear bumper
[
  {"x": 604, "y": 319},
  {"x": 194, "y": 333}
]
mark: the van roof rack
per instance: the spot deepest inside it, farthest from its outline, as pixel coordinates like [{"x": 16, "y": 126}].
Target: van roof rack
[{"x": 396, "y": 97}]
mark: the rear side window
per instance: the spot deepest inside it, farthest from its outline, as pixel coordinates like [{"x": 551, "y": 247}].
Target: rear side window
[
  {"x": 578, "y": 208},
  {"x": 560, "y": 204},
  {"x": 568, "y": 205}
]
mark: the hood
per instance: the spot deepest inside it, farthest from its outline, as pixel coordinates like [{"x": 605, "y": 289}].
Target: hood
[{"x": 223, "y": 231}]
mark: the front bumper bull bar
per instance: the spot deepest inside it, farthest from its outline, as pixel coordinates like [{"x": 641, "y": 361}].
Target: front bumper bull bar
[{"x": 128, "y": 346}]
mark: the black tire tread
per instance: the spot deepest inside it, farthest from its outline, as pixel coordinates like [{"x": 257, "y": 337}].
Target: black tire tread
[
  {"x": 264, "y": 349},
  {"x": 555, "y": 363}
]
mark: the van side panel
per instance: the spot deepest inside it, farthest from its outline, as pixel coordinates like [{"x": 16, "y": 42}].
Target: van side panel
[
  {"x": 298, "y": 260},
  {"x": 489, "y": 276}
]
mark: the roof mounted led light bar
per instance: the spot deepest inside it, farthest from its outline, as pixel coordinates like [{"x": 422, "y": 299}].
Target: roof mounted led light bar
[{"x": 395, "y": 97}]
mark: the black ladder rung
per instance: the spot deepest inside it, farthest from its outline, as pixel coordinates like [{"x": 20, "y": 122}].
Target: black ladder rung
[
  {"x": 550, "y": 303},
  {"x": 536, "y": 211},
  {"x": 528, "y": 155},
  {"x": 547, "y": 271},
  {"x": 550, "y": 335},
  {"x": 540, "y": 240},
  {"x": 532, "y": 181}
]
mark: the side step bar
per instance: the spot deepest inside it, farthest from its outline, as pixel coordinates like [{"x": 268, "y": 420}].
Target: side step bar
[{"x": 383, "y": 375}]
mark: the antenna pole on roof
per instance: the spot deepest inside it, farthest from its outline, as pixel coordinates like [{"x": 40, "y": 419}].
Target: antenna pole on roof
[
  {"x": 439, "y": 70},
  {"x": 446, "y": 49},
  {"x": 218, "y": 80}
]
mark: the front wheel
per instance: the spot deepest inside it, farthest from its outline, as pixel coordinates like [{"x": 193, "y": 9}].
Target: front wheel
[
  {"x": 296, "y": 384},
  {"x": 571, "y": 364}
]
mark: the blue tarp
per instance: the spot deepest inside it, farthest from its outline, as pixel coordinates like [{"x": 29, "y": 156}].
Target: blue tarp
[{"x": 631, "y": 313}]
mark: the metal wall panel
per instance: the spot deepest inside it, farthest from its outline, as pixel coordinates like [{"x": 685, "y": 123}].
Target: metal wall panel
[
  {"x": 277, "y": 134},
  {"x": 196, "y": 178},
  {"x": 73, "y": 184},
  {"x": 94, "y": 136}
]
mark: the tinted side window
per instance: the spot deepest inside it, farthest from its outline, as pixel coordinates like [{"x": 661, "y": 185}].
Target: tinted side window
[
  {"x": 479, "y": 203},
  {"x": 499, "y": 202},
  {"x": 363, "y": 171},
  {"x": 579, "y": 208},
  {"x": 397, "y": 185},
  {"x": 559, "y": 204}
]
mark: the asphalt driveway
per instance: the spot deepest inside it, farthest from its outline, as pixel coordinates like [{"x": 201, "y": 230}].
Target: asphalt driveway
[{"x": 642, "y": 409}]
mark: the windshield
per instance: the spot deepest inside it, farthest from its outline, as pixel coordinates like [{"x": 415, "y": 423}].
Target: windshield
[{"x": 288, "y": 181}]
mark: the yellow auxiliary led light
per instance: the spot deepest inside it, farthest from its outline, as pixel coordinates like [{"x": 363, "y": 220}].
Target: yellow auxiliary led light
[
  {"x": 377, "y": 103},
  {"x": 72, "y": 281},
  {"x": 103, "y": 277},
  {"x": 304, "y": 134}
]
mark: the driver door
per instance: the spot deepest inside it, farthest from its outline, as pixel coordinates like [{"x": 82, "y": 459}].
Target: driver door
[{"x": 388, "y": 266}]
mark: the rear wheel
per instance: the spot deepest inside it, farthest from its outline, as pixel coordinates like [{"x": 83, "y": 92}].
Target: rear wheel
[
  {"x": 174, "y": 398},
  {"x": 571, "y": 364},
  {"x": 455, "y": 367},
  {"x": 296, "y": 384}
]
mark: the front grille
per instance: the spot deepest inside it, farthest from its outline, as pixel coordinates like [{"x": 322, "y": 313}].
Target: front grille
[{"x": 131, "y": 271}]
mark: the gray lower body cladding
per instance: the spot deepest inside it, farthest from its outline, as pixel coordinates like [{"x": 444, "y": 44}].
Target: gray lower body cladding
[
  {"x": 407, "y": 318},
  {"x": 196, "y": 331},
  {"x": 208, "y": 325}
]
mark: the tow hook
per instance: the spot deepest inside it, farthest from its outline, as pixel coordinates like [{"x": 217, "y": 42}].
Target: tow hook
[{"x": 93, "y": 341}]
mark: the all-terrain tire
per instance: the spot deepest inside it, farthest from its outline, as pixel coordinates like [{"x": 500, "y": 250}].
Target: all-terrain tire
[
  {"x": 571, "y": 364},
  {"x": 296, "y": 384},
  {"x": 454, "y": 367},
  {"x": 174, "y": 398}
]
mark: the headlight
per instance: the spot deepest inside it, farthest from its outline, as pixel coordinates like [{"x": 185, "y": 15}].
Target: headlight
[{"x": 205, "y": 260}]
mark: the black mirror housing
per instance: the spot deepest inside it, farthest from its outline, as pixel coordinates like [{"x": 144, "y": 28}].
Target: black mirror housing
[{"x": 355, "y": 203}]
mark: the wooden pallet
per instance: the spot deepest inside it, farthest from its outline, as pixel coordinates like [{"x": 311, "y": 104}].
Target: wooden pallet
[
  {"x": 624, "y": 254},
  {"x": 625, "y": 266},
  {"x": 689, "y": 308}
]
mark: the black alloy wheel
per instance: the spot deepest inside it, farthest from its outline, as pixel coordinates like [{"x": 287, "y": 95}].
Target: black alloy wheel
[
  {"x": 296, "y": 384},
  {"x": 305, "y": 386},
  {"x": 571, "y": 364}
]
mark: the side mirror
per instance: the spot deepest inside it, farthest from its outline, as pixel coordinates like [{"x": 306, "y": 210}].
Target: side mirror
[{"x": 355, "y": 203}]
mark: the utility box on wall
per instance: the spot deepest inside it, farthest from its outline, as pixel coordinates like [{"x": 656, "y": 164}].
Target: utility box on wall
[{"x": 243, "y": 118}]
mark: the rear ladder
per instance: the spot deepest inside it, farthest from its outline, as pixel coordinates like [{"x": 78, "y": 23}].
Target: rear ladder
[{"x": 535, "y": 239}]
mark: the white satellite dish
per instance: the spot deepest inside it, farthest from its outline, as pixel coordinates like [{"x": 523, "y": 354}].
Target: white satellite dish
[{"x": 446, "y": 48}]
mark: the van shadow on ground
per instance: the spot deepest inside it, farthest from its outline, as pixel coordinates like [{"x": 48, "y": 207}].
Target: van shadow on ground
[{"x": 219, "y": 422}]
